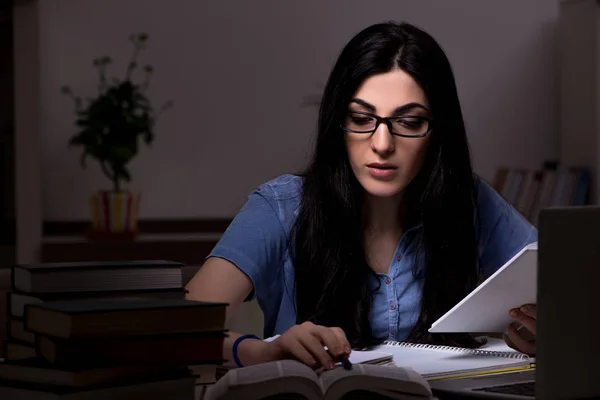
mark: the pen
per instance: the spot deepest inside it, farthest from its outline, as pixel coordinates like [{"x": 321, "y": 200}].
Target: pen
[{"x": 346, "y": 363}]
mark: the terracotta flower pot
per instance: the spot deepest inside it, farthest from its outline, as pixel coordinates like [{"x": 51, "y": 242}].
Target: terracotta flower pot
[{"x": 114, "y": 214}]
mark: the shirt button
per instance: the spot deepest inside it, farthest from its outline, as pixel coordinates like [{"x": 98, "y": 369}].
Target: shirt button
[
  {"x": 388, "y": 280},
  {"x": 392, "y": 306},
  {"x": 398, "y": 257}
]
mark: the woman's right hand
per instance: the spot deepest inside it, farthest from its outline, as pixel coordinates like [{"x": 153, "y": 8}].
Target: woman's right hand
[{"x": 306, "y": 343}]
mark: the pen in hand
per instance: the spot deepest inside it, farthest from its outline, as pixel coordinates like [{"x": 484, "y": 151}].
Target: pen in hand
[
  {"x": 344, "y": 359},
  {"x": 346, "y": 363}
]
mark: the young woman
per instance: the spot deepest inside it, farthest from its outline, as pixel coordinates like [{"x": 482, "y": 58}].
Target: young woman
[{"x": 387, "y": 228}]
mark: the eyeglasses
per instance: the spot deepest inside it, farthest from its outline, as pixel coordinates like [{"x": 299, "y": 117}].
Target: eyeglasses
[{"x": 403, "y": 125}]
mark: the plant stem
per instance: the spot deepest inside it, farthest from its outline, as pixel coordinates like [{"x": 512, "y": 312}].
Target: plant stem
[
  {"x": 146, "y": 82},
  {"x": 133, "y": 62},
  {"x": 102, "y": 84},
  {"x": 113, "y": 177}
]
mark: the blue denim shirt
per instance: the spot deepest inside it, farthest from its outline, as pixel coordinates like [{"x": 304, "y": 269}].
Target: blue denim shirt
[{"x": 257, "y": 242}]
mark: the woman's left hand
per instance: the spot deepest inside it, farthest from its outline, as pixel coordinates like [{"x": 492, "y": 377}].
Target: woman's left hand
[{"x": 522, "y": 340}]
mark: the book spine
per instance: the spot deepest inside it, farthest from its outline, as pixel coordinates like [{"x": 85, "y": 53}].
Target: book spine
[{"x": 474, "y": 352}]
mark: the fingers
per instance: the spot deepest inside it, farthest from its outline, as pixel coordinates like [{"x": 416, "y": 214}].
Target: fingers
[
  {"x": 508, "y": 341},
  {"x": 298, "y": 350},
  {"x": 343, "y": 340},
  {"x": 526, "y": 316},
  {"x": 529, "y": 310},
  {"x": 314, "y": 344},
  {"x": 516, "y": 341},
  {"x": 332, "y": 341},
  {"x": 290, "y": 344}
]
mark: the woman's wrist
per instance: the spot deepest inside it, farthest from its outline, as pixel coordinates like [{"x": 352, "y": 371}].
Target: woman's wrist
[{"x": 252, "y": 351}]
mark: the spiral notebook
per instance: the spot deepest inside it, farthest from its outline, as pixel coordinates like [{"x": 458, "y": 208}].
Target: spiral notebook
[{"x": 443, "y": 362}]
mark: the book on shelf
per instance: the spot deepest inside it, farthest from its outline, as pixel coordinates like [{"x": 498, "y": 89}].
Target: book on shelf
[
  {"x": 553, "y": 185},
  {"x": 293, "y": 379}
]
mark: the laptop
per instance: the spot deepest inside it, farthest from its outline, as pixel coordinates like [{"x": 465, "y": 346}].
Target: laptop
[{"x": 568, "y": 333}]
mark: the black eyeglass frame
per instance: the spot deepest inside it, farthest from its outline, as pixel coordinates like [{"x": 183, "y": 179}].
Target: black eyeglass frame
[{"x": 388, "y": 122}]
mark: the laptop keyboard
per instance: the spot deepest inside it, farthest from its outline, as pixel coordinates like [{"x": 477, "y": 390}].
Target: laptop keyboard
[{"x": 519, "y": 389}]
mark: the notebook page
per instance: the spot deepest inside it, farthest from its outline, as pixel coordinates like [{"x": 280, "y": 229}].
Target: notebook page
[
  {"x": 441, "y": 362},
  {"x": 356, "y": 356},
  {"x": 361, "y": 357},
  {"x": 497, "y": 344}
]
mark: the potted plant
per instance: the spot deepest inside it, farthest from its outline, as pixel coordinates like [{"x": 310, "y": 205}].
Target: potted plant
[{"x": 111, "y": 127}]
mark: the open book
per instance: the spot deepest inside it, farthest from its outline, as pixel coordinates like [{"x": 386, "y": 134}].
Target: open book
[{"x": 294, "y": 380}]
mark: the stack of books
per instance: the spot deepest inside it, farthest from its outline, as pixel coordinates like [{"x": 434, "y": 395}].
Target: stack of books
[
  {"x": 108, "y": 330},
  {"x": 40, "y": 283}
]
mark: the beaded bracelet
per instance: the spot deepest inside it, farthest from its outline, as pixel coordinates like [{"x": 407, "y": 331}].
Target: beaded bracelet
[{"x": 235, "y": 346}]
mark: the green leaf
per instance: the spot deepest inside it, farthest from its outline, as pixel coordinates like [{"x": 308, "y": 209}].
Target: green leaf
[
  {"x": 148, "y": 137},
  {"x": 75, "y": 141},
  {"x": 121, "y": 154},
  {"x": 111, "y": 126}
]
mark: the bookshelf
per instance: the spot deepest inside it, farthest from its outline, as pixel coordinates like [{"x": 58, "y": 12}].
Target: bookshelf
[
  {"x": 579, "y": 87},
  {"x": 551, "y": 185},
  {"x": 572, "y": 179}
]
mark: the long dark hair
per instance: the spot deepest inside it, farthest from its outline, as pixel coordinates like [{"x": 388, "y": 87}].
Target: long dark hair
[{"x": 331, "y": 271}]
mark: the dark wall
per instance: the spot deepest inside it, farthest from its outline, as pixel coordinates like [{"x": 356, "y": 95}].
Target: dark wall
[{"x": 7, "y": 234}]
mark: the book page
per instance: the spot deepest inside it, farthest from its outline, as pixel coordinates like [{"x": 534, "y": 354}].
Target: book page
[
  {"x": 372, "y": 377},
  {"x": 327, "y": 378},
  {"x": 289, "y": 377},
  {"x": 268, "y": 371}
]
